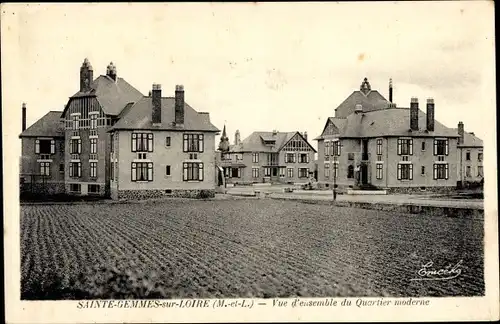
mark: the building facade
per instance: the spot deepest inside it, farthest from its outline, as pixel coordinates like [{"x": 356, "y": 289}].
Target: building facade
[
  {"x": 470, "y": 157},
  {"x": 267, "y": 157},
  {"x": 373, "y": 143},
  {"x": 111, "y": 140}
]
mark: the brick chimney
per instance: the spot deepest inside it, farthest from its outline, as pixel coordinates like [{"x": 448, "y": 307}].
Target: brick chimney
[
  {"x": 305, "y": 135},
  {"x": 414, "y": 114},
  {"x": 24, "y": 116},
  {"x": 461, "y": 132},
  {"x": 86, "y": 76},
  {"x": 390, "y": 90},
  {"x": 156, "y": 99},
  {"x": 111, "y": 71},
  {"x": 237, "y": 138},
  {"x": 179, "y": 105},
  {"x": 430, "y": 115}
]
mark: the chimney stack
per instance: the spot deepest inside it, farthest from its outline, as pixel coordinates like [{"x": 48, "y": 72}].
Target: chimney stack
[
  {"x": 461, "y": 132},
  {"x": 390, "y": 90},
  {"x": 237, "y": 138},
  {"x": 179, "y": 105},
  {"x": 305, "y": 135},
  {"x": 111, "y": 71},
  {"x": 414, "y": 114},
  {"x": 86, "y": 76},
  {"x": 24, "y": 116},
  {"x": 156, "y": 99},
  {"x": 430, "y": 115}
]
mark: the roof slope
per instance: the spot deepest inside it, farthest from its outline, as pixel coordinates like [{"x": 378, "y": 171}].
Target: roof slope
[
  {"x": 48, "y": 126},
  {"x": 255, "y": 142},
  {"x": 373, "y": 100},
  {"x": 139, "y": 116},
  {"x": 113, "y": 96},
  {"x": 470, "y": 140},
  {"x": 391, "y": 122}
]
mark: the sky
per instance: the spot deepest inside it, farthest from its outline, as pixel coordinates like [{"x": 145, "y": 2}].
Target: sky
[{"x": 257, "y": 66}]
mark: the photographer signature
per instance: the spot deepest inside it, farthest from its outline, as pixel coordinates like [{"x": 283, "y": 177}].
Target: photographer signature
[{"x": 428, "y": 273}]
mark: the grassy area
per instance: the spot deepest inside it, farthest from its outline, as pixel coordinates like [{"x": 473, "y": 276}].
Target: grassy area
[{"x": 241, "y": 248}]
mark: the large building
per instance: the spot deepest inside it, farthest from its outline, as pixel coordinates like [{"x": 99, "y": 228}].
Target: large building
[
  {"x": 110, "y": 139},
  {"x": 370, "y": 142},
  {"x": 470, "y": 157},
  {"x": 267, "y": 157}
]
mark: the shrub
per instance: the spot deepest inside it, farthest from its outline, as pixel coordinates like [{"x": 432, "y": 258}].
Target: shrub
[{"x": 205, "y": 194}]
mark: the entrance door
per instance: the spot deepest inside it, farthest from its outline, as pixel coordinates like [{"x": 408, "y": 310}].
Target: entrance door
[
  {"x": 275, "y": 172},
  {"x": 364, "y": 174}
]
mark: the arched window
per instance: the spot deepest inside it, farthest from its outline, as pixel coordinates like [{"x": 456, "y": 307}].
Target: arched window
[{"x": 350, "y": 171}]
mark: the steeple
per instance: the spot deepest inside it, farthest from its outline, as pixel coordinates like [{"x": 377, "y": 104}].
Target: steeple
[
  {"x": 365, "y": 86},
  {"x": 224, "y": 141}
]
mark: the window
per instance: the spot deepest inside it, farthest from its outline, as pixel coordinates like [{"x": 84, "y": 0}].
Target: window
[
  {"x": 405, "y": 146},
  {"x": 440, "y": 147},
  {"x": 282, "y": 172},
  {"x": 405, "y": 171},
  {"x": 93, "y": 145},
  {"x": 93, "y": 121},
  {"x": 226, "y": 156},
  {"x": 290, "y": 158},
  {"x": 167, "y": 141},
  {"x": 441, "y": 158},
  {"x": 405, "y": 158},
  {"x": 112, "y": 175},
  {"x": 61, "y": 167},
  {"x": 74, "y": 187},
  {"x": 142, "y": 142},
  {"x": 379, "y": 146},
  {"x": 480, "y": 171},
  {"x": 327, "y": 148},
  {"x": 304, "y": 158},
  {"x": 255, "y": 172},
  {"x": 350, "y": 171},
  {"x": 467, "y": 171},
  {"x": 379, "y": 157},
  {"x": 142, "y": 171},
  {"x": 76, "y": 122},
  {"x": 75, "y": 169},
  {"x": 350, "y": 156},
  {"x": 112, "y": 143},
  {"x": 255, "y": 158},
  {"x": 238, "y": 157},
  {"x": 93, "y": 169},
  {"x": 193, "y": 171},
  {"x": 335, "y": 170},
  {"x": 267, "y": 172},
  {"x": 76, "y": 146},
  {"x": 336, "y": 148},
  {"x": 45, "y": 168},
  {"x": 45, "y": 146},
  {"x": 441, "y": 171},
  {"x": 289, "y": 172},
  {"x": 380, "y": 171},
  {"x": 480, "y": 157},
  {"x": 93, "y": 188},
  {"x": 422, "y": 170},
  {"x": 423, "y": 145},
  {"x": 327, "y": 170},
  {"x": 303, "y": 172},
  {"x": 467, "y": 156},
  {"x": 193, "y": 143}
]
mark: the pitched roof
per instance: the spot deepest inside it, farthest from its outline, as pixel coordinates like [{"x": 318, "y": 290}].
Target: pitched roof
[
  {"x": 255, "y": 142},
  {"x": 48, "y": 126},
  {"x": 113, "y": 96},
  {"x": 139, "y": 116},
  {"x": 391, "y": 122},
  {"x": 470, "y": 140},
  {"x": 373, "y": 100}
]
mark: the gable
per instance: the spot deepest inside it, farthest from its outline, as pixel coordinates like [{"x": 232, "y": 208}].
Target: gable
[
  {"x": 330, "y": 128},
  {"x": 298, "y": 143}
]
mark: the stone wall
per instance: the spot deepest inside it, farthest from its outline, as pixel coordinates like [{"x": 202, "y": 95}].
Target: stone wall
[
  {"x": 42, "y": 188},
  {"x": 149, "y": 194}
]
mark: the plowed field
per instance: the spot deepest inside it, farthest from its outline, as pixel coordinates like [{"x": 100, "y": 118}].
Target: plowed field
[{"x": 242, "y": 248}]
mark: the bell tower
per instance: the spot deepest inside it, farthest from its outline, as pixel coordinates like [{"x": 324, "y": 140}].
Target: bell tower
[{"x": 86, "y": 76}]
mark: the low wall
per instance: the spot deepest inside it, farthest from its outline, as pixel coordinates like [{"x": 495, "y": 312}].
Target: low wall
[
  {"x": 148, "y": 194},
  {"x": 410, "y": 190},
  {"x": 43, "y": 189},
  {"x": 407, "y": 208}
]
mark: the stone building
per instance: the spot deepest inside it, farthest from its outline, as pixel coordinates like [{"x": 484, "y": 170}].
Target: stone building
[
  {"x": 470, "y": 157},
  {"x": 370, "y": 142},
  {"x": 267, "y": 157}
]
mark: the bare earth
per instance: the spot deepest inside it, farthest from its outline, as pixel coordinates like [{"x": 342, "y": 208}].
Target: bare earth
[{"x": 243, "y": 248}]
